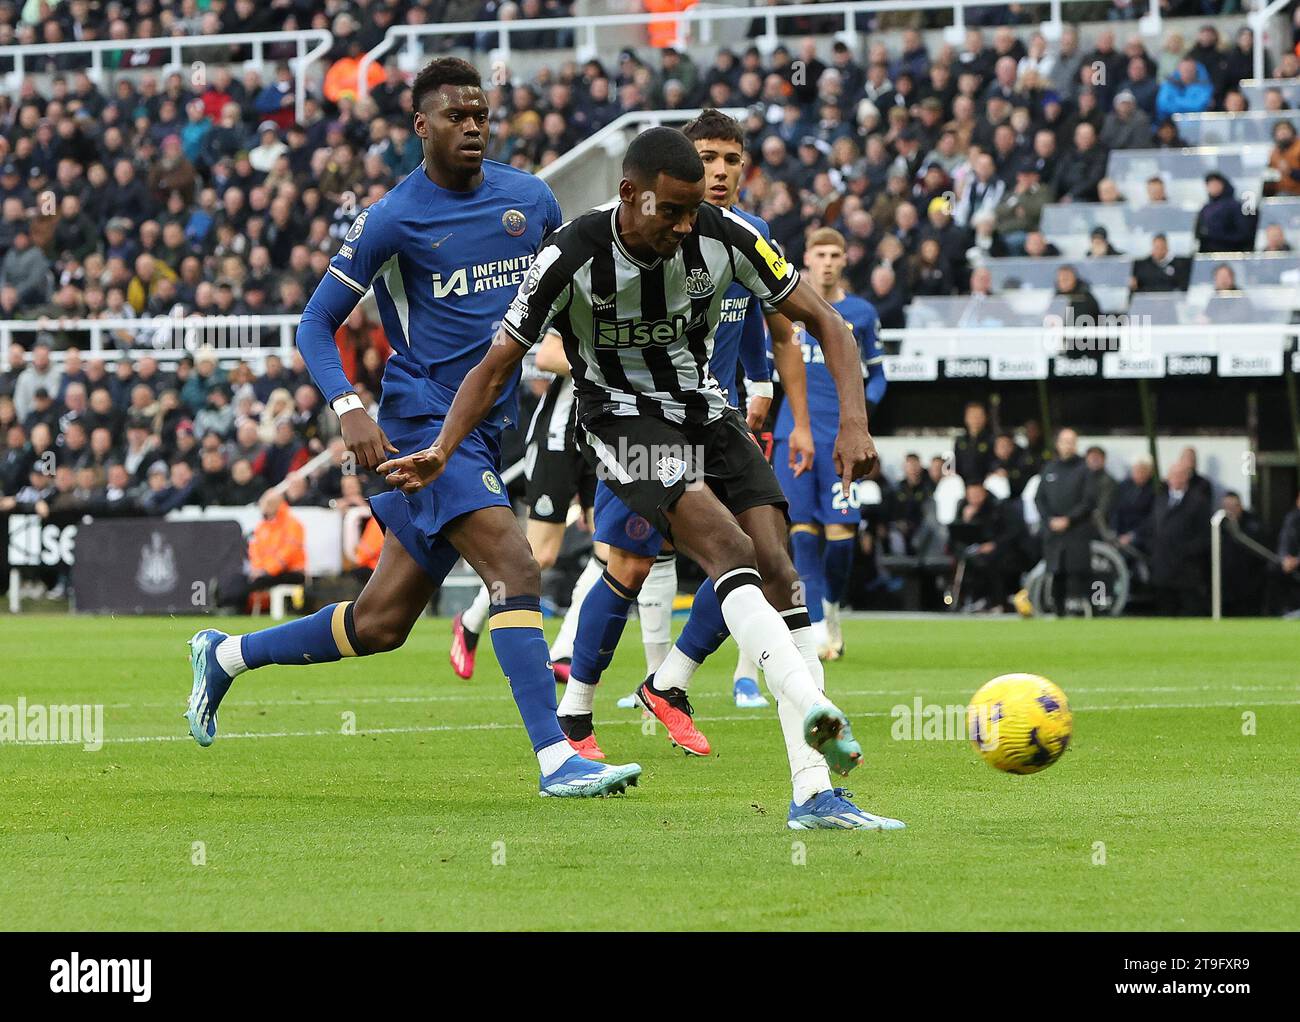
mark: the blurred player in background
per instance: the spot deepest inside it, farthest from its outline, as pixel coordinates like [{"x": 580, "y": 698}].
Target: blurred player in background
[
  {"x": 819, "y": 507},
  {"x": 444, "y": 251}
]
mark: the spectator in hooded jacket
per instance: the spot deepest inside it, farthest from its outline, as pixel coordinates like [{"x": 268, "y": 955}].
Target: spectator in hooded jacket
[
  {"x": 1189, "y": 90},
  {"x": 1223, "y": 225}
]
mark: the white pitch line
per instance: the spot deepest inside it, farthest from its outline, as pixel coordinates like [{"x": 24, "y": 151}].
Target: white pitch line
[
  {"x": 695, "y": 697},
  {"x": 441, "y": 728}
]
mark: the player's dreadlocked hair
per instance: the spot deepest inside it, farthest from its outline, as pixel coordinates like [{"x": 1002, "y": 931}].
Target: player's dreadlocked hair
[
  {"x": 662, "y": 151},
  {"x": 714, "y": 124},
  {"x": 439, "y": 72}
]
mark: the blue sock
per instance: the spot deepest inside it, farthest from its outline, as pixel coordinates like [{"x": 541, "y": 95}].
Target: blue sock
[
  {"x": 600, "y": 624},
  {"x": 516, "y": 628},
  {"x": 322, "y": 638},
  {"x": 806, "y": 547},
  {"x": 705, "y": 629},
  {"x": 836, "y": 566}
]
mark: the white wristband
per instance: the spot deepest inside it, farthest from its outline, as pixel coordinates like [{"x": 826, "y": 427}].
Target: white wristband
[
  {"x": 346, "y": 403},
  {"x": 758, "y": 388}
]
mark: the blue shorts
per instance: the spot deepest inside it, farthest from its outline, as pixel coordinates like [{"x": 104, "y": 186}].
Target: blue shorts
[
  {"x": 623, "y": 528},
  {"x": 816, "y": 495},
  {"x": 468, "y": 483}
]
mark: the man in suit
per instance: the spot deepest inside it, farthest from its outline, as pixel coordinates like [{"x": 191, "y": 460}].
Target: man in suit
[
  {"x": 1176, "y": 538},
  {"x": 1066, "y": 499},
  {"x": 1134, "y": 499}
]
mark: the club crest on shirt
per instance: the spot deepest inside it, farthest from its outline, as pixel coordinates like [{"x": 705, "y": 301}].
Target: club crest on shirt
[
  {"x": 670, "y": 470},
  {"x": 698, "y": 283},
  {"x": 358, "y": 225},
  {"x": 492, "y": 483},
  {"x": 514, "y": 222},
  {"x": 637, "y": 528}
]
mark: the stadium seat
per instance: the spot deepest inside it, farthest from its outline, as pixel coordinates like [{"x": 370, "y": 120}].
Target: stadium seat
[{"x": 280, "y": 595}]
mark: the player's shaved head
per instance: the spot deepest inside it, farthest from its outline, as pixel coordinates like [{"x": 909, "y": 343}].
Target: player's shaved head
[
  {"x": 662, "y": 151},
  {"x": 661, "y": 192}
]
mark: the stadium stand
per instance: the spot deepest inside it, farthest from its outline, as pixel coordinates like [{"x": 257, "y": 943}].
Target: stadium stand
[{"x": 145, "y": 189}]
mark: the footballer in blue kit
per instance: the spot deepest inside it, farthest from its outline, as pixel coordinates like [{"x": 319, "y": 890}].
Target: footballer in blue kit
[
  {"x": 823, "y": 518},
  {"x": 444, "y": 252},
  {"x": 637, "y": 558}
]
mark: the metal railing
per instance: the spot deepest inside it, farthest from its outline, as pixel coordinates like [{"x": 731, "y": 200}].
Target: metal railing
[
  {"x": 1218, "y": 522},
  {"x": 166, "y": 338},
  {"x": 242, "y": 334},
  {"x": 1130, "y": 339},
  {"x": 585, "y": 28},
  {"x": 579, "y": 185},
  {"x": 97, "y": 48}
]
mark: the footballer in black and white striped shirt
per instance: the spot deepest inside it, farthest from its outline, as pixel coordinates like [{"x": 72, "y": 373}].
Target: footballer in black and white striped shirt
[{"x": 635, "y": 290}]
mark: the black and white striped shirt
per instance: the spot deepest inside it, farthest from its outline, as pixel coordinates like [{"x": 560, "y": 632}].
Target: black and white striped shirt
[
  {"x": 552, "y": 421},
  {"x": 639, "y": 335}
]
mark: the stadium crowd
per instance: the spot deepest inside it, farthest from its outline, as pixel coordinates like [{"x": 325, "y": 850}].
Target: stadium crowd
[
  {"x": 1160, "y": 527},
  {"x": 171, "y": 194}
]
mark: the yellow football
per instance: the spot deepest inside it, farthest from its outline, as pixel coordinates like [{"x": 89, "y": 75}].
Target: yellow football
[{"x": 1019, "y": 723}]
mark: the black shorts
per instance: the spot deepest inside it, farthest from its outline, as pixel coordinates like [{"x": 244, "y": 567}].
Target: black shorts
[
  {"x": 649, "y": 463},
  {"x": 553, "y": 479}
]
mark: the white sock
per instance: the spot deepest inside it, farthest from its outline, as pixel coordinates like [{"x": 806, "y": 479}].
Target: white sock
[
  {"x": 578, "y": 699},
  {"x": 820, "y": 633},
  {"x": 831, "y": 612},
  {"x": 655, "y": 654},
  {"x": 809, "y": 774},
  {"x": 655, "y": 609},
  {"x": 745, "y": 668},
  {"x": 675, "y": 672},
  {"x": 562, "y": 648},
  {"x": 762, "y": 634},
  {"x": 476, "y": 615},
  {"x": 230, "y": 656},
  {"x": 554, "y": 756}
]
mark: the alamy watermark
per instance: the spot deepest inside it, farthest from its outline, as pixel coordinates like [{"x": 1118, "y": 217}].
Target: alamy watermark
[
  {"x": 666, "y": 464},
  {"x": 27, "y": 723},
  {"x": 920, "y": 721},
  {"x": 1092, "y": 335}
]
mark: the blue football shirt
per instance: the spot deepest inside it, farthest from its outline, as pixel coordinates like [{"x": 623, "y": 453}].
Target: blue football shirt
[
  {"x": 444, "y": 266},
  {"x": 823, "y": 401},
  {"x": 741, "y": 336}
]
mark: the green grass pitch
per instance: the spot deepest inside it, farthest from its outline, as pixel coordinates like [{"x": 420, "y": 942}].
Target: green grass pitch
[{"x": 1162, "y": 815}]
